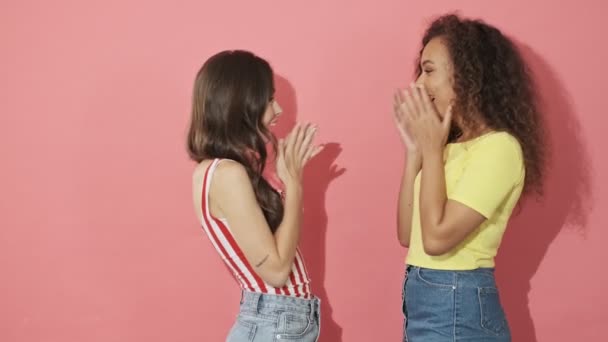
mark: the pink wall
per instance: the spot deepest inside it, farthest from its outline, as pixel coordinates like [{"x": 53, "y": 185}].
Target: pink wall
[{"x": 98, "y": 240}]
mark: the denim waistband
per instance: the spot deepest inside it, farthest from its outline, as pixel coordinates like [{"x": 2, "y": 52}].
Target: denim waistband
[
  {"x": 486, "y": 270},
  {"x": 254, "y": 301},
  {"x": 480, "y": 277}
]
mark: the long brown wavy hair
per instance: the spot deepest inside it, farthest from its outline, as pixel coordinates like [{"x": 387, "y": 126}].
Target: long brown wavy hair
[
  {"x": 493, "y": 84},
  {"x": 231, "y": 93}
]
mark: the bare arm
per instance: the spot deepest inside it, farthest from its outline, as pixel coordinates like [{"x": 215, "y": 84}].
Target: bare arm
[
  {"x": 489, "y": 177},
  {"x": 271, "y": 255},
  {"x": 406, "y": 199},
  {"x": 445, "y": 223},
  {"x": 412, "y": 167}
]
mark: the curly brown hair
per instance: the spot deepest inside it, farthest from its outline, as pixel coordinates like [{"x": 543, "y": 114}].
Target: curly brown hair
[{"x": 493, "y": 86}]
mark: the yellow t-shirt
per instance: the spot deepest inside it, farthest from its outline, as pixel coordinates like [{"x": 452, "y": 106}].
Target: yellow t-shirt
[{"x": 487, "y": 175}]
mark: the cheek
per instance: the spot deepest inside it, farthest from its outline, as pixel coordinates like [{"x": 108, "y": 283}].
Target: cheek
[
  {"x": 442, "y": 101},
  {"x": 449, "y": 93},
  {"x": 445, "y": 93},
  {"x": 434, "y": 87},
  {"x": 267, "y": 117}
]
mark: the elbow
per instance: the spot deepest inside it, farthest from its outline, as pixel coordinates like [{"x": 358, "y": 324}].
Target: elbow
[
  {"x": 434, "y": 249},
  {"x": 434, "y": 246},
  {"x": 403, "y": 235},
  {"x": 278, "y": 281},
  {"x": 277, "y": 278}
]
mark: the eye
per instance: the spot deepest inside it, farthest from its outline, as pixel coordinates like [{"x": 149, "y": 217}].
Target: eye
[{"x": 428, "y": 71}]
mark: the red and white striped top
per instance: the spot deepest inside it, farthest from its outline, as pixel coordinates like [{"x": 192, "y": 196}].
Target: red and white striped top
[{"x": 218, "y": 231}]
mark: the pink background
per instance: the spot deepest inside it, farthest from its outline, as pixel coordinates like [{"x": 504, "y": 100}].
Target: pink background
[{"x": 98, "y": 239}]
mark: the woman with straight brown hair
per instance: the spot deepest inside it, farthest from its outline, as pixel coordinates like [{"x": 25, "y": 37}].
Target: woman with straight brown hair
[{"x": 253, "y": 228}]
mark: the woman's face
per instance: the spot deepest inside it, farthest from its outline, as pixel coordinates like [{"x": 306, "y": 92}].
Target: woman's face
[
  {"x": 437, "y": 74},
  {"x": 271, "y": 116}
]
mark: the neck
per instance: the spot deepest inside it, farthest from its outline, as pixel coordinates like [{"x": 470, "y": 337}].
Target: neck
[{"x": 473, "y": 131}]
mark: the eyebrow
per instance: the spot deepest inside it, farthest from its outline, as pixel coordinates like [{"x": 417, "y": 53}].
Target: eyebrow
[{"x": 426, "y": 61}]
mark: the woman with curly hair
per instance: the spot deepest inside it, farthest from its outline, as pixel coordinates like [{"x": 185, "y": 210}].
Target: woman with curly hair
[
  {"x": 253, "y": 229},
  {"x": 474, "y": 141}
]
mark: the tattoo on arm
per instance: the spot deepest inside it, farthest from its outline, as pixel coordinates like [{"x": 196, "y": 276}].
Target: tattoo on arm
[{"x": 263, "y": 261}]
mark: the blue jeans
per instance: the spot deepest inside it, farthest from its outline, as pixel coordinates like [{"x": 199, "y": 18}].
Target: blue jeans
[
  {"x": 267, "y": 317},
  {"x": 452, "y": 306}
]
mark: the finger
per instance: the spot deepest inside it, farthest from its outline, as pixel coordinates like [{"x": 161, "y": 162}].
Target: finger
[
  {"x": 407, "y": 127},
  {"x": 293, "y": 136},
  {"x": 300, "y": 138},
  {"x": 306, "y": 143},
  {"x": 279, "y": 146},
  {"x": 399, "y": 95},
  {"x": 399, "y": 101},
  {"x": 282, "y": 146},
  {"x": 426, "y": 100},
  {"x": 314, "y": 151},
  {"x": 407, "y": 106},
  {"x": 398, "y": 117},
  {"x": 396, "y": 101},
  {"x": 289, "y": 145},
  {"x": 447, "y": 118},
  {"x": 402, "y": 95},
  {"x": 416, "y": 99},
  {"x": 397, "y": 111},
  {"x": 300, "y": 147},
  {"x": 396, "y": 98},
  {"x": 308, "y": 155}
]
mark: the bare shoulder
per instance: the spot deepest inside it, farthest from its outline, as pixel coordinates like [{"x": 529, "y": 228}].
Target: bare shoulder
[
  {"x": 230, "y": 174},
  {"x": 226, "y": 170},
  {"x": 229, "y": 184},
  {"x": 231, "y": 189}
]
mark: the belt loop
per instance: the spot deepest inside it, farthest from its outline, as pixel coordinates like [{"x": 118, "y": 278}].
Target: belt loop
[
  {"x": 316, "y": 311},
  {"x": 256, "y": 301},
  {"x": 312, "y": 305},
  {"x": 315, "y": 308}
]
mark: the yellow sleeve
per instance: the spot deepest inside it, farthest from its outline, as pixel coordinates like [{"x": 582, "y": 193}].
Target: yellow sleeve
[{"x": 493, "y": 170}]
